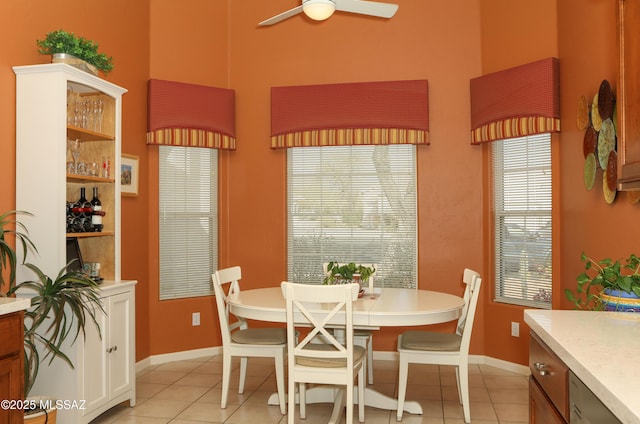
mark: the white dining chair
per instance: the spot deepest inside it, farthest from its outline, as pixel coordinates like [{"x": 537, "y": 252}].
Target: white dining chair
[
  {"x": 334, "y": 363},
  {"x": 362, "y": 337},
  {"x": 240, "y": 341},
  {"x": 427, "y": 347}
]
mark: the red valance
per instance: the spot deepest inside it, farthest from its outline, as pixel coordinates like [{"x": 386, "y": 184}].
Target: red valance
[
  {"x": 190, "y": 115},
  {"x": 390, "y": 112},
  {"x": 516, "y": 102}
]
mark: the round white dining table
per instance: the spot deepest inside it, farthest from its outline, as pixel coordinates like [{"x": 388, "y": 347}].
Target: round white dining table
[{"x": 385, "y": 307}]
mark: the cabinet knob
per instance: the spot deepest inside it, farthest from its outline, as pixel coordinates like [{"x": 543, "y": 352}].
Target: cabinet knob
[
  {"x": 540, "y": 368},
  {"x": 115, "y": 348},
  {"x": 110, "y": 350}
]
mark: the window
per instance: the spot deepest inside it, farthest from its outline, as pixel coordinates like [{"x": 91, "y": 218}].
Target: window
[
  {"x": 353, "y": 203},
  {"x": 188, "y": 221},
  {"x": 522, "y": 203}
]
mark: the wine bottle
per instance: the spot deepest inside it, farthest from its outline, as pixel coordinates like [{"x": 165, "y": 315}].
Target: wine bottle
[
  {"x": 96, "y": 204},
  {"x": 83, "y": 210}
]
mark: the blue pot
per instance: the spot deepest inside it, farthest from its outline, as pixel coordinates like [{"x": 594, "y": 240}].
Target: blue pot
[{"x": 620, "y": 301}]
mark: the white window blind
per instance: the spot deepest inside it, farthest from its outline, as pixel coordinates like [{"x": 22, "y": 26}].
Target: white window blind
[
  {"x": 353, "y": 204},
  {"x": 188, "y": 221},
  {"x": 522, "y": 203}
]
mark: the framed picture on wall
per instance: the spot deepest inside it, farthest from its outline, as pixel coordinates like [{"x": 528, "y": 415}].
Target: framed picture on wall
[{"x": 129, "y": 174}]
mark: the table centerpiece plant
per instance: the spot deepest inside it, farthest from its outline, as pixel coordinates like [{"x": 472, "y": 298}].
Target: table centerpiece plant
[
  {"x": 608, "y": 285},
  {"x": 61, "y": 41},
  {"x": 61, "y": 308},
  {"x": 337, "y": 271}
]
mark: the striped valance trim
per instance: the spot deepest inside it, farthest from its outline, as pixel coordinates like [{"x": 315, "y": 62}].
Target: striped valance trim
[
  {"x": 514, "y": 127},
  {"x": 349, "y": 136},
  {"x": 188, "y": 137}
]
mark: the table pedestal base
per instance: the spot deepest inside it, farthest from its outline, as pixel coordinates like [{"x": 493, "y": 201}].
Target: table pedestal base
[{"x": 373, "y": 398}]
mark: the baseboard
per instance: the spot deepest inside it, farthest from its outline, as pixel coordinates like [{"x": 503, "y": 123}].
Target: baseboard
[
  {"x": 381, "y": 355},
  {"x": 473, "y": 359},
  {"x": 184, "y": 355}
]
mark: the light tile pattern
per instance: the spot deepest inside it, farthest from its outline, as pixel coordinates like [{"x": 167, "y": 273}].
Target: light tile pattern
[{"x": 188, "y": 392}]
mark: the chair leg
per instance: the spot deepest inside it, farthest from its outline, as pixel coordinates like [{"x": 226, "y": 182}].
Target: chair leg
[
  {"x": 302, "y": 388},
  {"x": 226, "y": 377},
  {"x": 403, "y": 373},
  {"x": 280, "y": 382},
  {"x": 370, "y": 359},
  {"x": 361, "y": 402},
  {"x": 243, "y": 373},
  {"x": 464, "y": 390},
  {"x": 292, "y": 401},
  {"x": 349, "y": 404}
]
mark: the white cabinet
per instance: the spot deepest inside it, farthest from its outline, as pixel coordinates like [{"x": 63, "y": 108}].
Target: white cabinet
[
  {"x": 109, "y": 371},
  {"x": 44, "y": 122}
]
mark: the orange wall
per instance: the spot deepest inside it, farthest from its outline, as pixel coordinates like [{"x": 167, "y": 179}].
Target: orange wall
[
  {"x": 588, "y": 223},
  {"x": 219, "y": 44},
  {"x": 426, "y": 39},
  {"x": 509, "y": 38},
  {"x": 188, "y": 44},
  {"x": 121, "y": 28}
]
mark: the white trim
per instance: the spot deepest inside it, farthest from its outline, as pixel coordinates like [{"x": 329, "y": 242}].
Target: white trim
[
  {"x": 380, "y": 355},
  {"x": 177, "y": 356},
  {"x": 473, "y": 359}
]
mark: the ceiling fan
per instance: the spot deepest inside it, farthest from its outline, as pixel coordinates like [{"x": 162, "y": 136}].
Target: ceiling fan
[{"x": 320, "y": 10}]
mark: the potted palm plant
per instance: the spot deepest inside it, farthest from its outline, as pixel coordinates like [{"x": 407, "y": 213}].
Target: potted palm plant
[
  {"x": 67, "y": 47},
  {"x": 61, "y": 308},
  {"x": 608, "y": 285}
]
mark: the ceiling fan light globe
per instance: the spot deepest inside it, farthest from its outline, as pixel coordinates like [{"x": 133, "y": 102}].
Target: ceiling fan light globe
[{"x": 318, "y": 10}]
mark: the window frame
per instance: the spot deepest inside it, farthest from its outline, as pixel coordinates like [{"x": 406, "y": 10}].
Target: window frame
[
  {"x": 408, "y": 276},
  {"x": 531, "y": 228}
]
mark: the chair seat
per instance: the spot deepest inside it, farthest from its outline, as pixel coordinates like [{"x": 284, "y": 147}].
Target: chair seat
[
  {"x": 358, "y": 355},
  {"x": 260, "y": 336},
  {"x": 428, "y": 340}
]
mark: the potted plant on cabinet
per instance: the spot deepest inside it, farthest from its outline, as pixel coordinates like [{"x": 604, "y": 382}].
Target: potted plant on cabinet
[
  {"x": 608, "y": 285},
  {"x": 60, "y": 42},
  {"x": 61, "y": 308}
]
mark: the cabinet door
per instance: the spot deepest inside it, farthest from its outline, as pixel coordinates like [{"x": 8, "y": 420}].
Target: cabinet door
[
  {"x": 95, "y": 361},
  {"x": 120, "y": 343},
  {"x": 541, "y": 410},
  {"x": 11, "y": 376},
  {"x": 628, "y": 96}
]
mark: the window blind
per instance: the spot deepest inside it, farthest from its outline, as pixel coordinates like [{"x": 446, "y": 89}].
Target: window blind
[
  {"x": 353, "y": 204},
  {"x": 522, "y": 203},
  {"x": 188, "y": 221}
]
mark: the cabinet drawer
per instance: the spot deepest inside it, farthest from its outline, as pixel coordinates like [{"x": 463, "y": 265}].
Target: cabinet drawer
[
  {"x": 541, "y": 411},
  {"x": 11, "y": 330},
  {"x": 551, "y": 373}
]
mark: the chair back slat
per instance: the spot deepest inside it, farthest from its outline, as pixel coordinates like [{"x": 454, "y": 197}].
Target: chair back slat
[
  {"x": 315, "y": 307},
  {"x": 471, "y": 312},
  {"x": 469, "y": 279},
  {"x": 225, "y": 283}
]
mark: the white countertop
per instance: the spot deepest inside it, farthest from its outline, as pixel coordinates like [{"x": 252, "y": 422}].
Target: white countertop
[
  {"x": 601, "y": 348},
  {"x": 11, "y": 304}
]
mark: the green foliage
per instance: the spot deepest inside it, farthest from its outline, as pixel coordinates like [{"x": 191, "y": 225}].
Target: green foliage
[
  {"x": 346, "y": 272},
  {"x": 10, "y": 226},
  {"x": 60, "y": 308},
  {"x": 60, "y": 41},
  {"x": 620, "y": 275}
]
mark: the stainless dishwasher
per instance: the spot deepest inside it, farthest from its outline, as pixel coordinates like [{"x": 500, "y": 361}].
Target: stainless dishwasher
[{"x": 585, "y": 407}]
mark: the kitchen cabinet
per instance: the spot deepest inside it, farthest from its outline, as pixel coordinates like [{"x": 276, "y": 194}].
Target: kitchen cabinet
[
  {"x": 548, "y": 384},
  {"x": 56, "y": 104},
  {"x": 628, "y": 102},
  {"x": 11, "y": 365}
]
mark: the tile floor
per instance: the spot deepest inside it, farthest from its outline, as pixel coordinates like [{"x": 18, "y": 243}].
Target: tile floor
[{"x": 188, "y": 392}]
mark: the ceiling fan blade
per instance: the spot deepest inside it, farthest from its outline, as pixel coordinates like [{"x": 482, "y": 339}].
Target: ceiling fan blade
[
  {"x": 282, "y": 16},
  {"x": 372, "y": 8}
]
